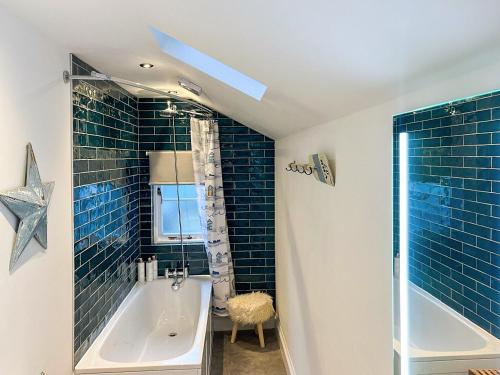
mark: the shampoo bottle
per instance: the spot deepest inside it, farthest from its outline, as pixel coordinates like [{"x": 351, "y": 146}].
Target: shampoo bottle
[
  {"x": 149, "y": 270},
  {"x": 141, "y": 271},
  {"x": 155, "y": 268}
]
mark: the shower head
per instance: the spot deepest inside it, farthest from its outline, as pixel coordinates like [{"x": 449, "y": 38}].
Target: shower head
[
  {"x": 451, "y": 110},
  {"x": 170, "y": 110},
  {"x": 197, "y": 113}
]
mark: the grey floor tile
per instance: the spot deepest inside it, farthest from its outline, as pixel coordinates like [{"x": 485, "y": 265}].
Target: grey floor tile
[{"x": 245, "y": 357}]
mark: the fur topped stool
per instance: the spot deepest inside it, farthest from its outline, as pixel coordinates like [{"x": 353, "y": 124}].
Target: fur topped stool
[{"x": 252, "y": 308}]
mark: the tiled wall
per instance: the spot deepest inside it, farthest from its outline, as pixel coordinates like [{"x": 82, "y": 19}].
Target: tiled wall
[
  {"x": 112, "y": 206},
  {"x": 454, "y": 207},
  {"x": 106, "y": 202},
  {"x": 248, "y": 174}
]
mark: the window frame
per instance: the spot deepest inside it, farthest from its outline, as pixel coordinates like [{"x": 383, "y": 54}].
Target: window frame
[{"x": 158, "y": 238}]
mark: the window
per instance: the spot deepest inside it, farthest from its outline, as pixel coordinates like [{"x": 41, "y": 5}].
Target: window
[
  {"x": 209, "y": 65},
  {"x": 166, "y": 214}
]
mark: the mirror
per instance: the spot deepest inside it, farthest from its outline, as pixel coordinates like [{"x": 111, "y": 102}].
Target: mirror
[{"x": 446, "y": 210}]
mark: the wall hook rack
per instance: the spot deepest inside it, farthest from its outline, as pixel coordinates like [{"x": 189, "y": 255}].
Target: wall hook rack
[{"x": 318, "y": 166}]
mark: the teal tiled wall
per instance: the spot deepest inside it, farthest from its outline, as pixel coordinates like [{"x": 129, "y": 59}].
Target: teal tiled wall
[
  {"x": 106, "y": 202},
  {"x": 248, "y": 174},
  {"x": 454, "y": 204},
  {"x": 112, "y": 130}
]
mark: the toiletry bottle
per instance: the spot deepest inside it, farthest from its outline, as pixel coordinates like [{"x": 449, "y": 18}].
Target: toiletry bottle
[
  {"x": 149, "y": 270},
  {"x": 155, "y": 268},
  {"x": 141, "y": 271},
  {"x": 186, "y": 270}
]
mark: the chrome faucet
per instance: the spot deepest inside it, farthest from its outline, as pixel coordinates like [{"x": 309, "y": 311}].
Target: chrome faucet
[
  {"x": 177, "y": 284},
  {"x": 178, "y": 274}
]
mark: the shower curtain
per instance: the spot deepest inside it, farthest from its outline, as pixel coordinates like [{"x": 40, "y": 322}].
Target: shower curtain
[{"x": 208, "y": 177}]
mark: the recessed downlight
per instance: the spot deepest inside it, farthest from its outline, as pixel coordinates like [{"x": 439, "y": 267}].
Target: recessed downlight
[{"x": 146, "y": 65}]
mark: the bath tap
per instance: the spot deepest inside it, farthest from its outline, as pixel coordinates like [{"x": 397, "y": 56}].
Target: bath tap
[
  {"x": 177, "y": 284},
  {"x": 179, "y": 275}
]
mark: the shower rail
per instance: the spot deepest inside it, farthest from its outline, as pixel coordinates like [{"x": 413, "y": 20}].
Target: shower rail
[{"x": 96, "y": 76}]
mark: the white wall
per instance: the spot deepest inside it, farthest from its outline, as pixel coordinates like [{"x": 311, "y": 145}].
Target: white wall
[
  {"x": 36, "y": 300},
  {"x": 334, "y": 244}
]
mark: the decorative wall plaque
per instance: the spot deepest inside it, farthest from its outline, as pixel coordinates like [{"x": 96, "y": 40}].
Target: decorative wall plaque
[{"x": 30, "y": 204}]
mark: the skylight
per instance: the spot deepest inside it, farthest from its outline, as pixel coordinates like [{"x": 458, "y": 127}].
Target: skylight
[{"x": 209, "y": 65}]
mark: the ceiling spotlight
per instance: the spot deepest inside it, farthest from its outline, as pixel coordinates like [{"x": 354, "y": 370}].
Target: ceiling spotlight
[
  {"x": 190, "y": 86},
  {"x": 146, "y": 65}
]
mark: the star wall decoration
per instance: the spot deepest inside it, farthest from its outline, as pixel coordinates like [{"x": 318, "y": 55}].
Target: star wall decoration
[{"x": 30, "y": 204}]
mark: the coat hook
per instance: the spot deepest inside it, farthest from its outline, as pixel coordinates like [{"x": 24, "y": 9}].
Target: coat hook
[{"x": 318, "y": 166}]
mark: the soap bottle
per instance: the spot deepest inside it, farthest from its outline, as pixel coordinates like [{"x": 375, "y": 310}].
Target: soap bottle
[
  {"x": 149, "y": 270},
  {"x": 141, "y": 271},
  {"x": 155, "y": 268}
]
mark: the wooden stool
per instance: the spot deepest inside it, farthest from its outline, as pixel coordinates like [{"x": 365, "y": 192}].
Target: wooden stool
[
  {"x": 484, "y": 372},
  {"x": 251, "y": 308}
]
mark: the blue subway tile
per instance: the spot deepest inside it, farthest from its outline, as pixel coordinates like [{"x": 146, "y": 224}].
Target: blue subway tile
[
  {"x": 464, "y": 151},
  {"x": 477, "y": 162},
  {"x": 489, "y": 102},
  {"x": 477, "y": 116},
  {"x": 488, "y": 221},
  {"x": 479, "y": 276},
  {"x": 477, "y": 139},
  {"x": 477, "y": 230},
  {"x": 464, "y": 129},
  {"x": 492, "y": 150},
  {"x": 488, "y": 174},
  {"x": 453, "y": 228},
  {"x": 477, "y": 319}
]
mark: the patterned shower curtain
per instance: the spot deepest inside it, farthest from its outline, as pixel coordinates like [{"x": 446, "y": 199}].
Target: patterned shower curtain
[{"x": 208, "y": 177}]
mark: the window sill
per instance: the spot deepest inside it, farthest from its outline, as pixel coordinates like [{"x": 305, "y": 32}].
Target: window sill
[{"x": 192, "y": 241}]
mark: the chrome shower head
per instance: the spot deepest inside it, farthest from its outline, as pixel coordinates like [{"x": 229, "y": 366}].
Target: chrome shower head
[{"x": 170, "y": 110}]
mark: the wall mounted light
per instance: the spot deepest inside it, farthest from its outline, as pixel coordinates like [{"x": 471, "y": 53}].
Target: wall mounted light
[
  {"x": 403, "y": 254},
  {"x": 190, "y": 86},
  {"x": 146, "y": 65}
]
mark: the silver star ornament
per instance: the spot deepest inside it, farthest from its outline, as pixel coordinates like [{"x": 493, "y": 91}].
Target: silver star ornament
[{"x": 30, "y": 204}]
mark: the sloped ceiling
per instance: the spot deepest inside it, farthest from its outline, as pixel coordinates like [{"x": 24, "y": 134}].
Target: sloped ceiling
[{"x": 321, "y": 59}]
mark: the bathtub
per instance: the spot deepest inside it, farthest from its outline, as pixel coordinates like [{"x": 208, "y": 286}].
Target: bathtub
[
  {"x": 156, "y": 331},
  {"x": 441, "y": 340}
]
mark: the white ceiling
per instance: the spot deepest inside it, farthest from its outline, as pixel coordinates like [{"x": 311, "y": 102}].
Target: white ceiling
[{"x": 321, "y": 59}]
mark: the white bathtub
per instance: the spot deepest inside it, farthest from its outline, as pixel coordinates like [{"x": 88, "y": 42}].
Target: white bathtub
[
  {"x": 441, "y": 340},
  {"x": 137, "y": 340}
]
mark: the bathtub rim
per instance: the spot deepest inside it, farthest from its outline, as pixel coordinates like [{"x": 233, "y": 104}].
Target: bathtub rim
[
  {"x": 490, "y": 351},
  {"x": 190, "y": 360}
]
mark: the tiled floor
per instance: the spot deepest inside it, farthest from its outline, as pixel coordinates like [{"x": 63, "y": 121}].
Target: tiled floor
[{"x": 245, "y": 357}]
